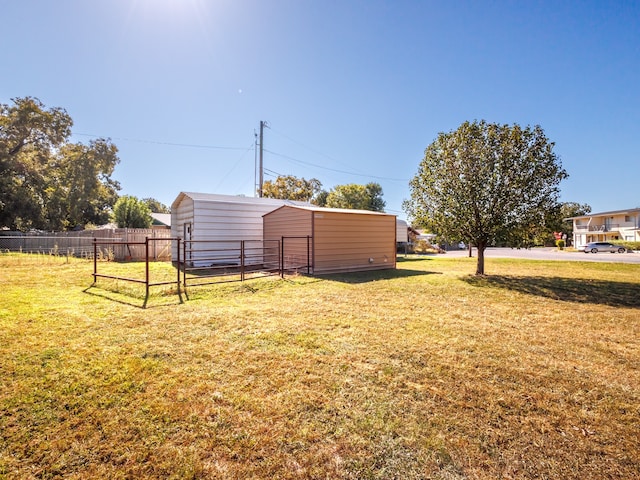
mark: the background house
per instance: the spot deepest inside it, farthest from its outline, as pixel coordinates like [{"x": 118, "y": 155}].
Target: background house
[
  {"x": 606, "y": 227},
  {"x": 161, "y": 220}
]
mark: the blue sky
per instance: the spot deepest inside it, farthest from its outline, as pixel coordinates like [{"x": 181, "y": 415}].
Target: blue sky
[{"x": 353, "y": 91}]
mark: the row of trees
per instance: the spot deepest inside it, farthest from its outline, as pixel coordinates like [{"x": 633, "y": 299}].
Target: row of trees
[
  {"x": 50, "y": 183},
  {"x": 47, "y": 182},
  {"x": 483, "y": 183},
  {"x": 353, "y": 196}
]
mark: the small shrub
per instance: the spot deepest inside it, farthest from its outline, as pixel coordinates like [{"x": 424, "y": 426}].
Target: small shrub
[
  {"x": 631, "y": 245},
  {"x": 560, "y": 244},
  {"x": 422, "y": 246}
]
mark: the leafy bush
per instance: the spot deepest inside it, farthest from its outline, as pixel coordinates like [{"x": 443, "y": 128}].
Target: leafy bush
[
  {"x": 560, "y": 244},
  {"x": 131, "y": 212},
  {"x": 422, "y": 246},
  {"x": 630, "y": 245}
]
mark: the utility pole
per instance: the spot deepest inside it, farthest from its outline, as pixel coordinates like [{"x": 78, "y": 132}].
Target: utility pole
[
  {"x": 255, "y": 163},
  {"x": 261, "y": 164}
]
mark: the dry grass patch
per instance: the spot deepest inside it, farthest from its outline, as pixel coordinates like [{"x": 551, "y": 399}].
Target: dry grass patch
[{"x": 423, "y": 372}]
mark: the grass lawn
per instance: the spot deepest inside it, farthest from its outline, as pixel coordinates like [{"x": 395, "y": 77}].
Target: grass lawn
[{"x": 420, "y": 372}]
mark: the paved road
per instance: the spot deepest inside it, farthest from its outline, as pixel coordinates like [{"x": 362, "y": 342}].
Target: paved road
[{"x": 551, "y": 254}]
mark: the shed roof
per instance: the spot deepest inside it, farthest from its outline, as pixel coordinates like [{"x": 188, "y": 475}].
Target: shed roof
[
  {"x": 218, "y": 198},
  {"x": 314, "y": 208}
]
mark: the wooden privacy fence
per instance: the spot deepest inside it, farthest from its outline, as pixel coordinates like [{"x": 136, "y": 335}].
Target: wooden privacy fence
[{"x": 127, "y": 243}]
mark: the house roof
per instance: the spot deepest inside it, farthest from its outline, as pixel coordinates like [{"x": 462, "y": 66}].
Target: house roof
[
  {"x": 161, "y": 219},
  {"x": 605, "y": 214}
]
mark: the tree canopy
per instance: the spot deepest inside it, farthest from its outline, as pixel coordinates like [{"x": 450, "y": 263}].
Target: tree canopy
[
  {"x": 289, "y": 187},
  {"x": 131, "y": 212},
  {"x": 485, "y": 183},
  {"x": 156, "y": 206},
  {"x": 46, "y": 182},
  {"x": 354, "y": 196},
  {"x": 557, "y": 219}
]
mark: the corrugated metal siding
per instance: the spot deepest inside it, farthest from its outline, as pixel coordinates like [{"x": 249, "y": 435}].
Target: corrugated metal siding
[
  {"x": 220, "y": 219},
  {"x": 287, "y": 222},
  {"x": 181, "y": 213},
  {"x": 290, "y": 222},
  {"x": 342, "y": 241},
  {"x": 229, "y": 221},
  {"x": 352, "y": 242},
  {"x": 402, "y": 231}
]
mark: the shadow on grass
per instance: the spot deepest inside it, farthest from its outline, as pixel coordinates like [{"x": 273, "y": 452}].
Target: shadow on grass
[
  {"x": 373, "y": 275},
  {"x": 416, "y": 257},
  {"x": 132, "y": 301},
  {"x": 601, "y": 292}
]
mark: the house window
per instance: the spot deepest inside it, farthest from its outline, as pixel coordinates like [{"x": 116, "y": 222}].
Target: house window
[{"x": 627, "y": 218}]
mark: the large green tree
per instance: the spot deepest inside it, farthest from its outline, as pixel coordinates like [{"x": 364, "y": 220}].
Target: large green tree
[
  {"x": 485, "y": 183},
  {"x": 80, "y": 183},
  {"x": 131, "y": 212},
  {"x": 354, "y": 196},
  {"x": 289, "y": 187},
  {"x": 568, "y": 210},
  {"x": 46, "y": 182},
  {"x": 156, "y": 206},
  {"x": 556, "y": 221}
]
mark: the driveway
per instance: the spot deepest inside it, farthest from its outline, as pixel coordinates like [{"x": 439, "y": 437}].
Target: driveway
[{"x": 550, "y": 253}]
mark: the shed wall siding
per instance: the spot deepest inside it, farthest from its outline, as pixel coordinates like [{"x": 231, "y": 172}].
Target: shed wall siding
[
  {"x": 287, "y": 222},
  {"x": 220, "y": 220},
  {"x": 347, "y": 242},
  {"x": 291, "y": 222},
  {"x": 179, "y": 216},
  {"x": 341, "y": 241},
  {"x": 227, "y": 221},
  {"x": 402, "y": 231}
]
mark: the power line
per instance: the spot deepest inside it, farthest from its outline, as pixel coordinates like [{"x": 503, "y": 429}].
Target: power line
[
  {"x": 317, "y": 152},
  {"x": 156, "y": 142},
  {"x": 272, "y": 173},
  {"x": 222, "y": 180},
  {"x": 335, "y": 169}
]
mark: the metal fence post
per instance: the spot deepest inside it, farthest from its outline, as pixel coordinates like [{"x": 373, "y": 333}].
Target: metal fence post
[
  {"x": 308, "y": 255},
  {"x": 146, "y": 266},
  {"x": 178, "y": 266},
  {"x": 95, "y": 260},
  {"x": 281, "y": 257},
  {"x": 242, "y": 260},
  {"x": 184, "y": 267}
]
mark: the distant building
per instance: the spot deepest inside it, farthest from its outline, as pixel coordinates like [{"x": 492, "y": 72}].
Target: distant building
[
  {"x": 161, "y": 220},
  {"x": 606, "y": 227}
]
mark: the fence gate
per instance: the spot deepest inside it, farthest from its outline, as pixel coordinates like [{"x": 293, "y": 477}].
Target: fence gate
[{"x": 296, "y": 255}]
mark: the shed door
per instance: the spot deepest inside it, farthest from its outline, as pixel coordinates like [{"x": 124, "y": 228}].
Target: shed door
[{"x": 186, "y": 236}]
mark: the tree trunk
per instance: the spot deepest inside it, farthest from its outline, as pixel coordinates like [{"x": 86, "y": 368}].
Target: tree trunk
[{"x": 480, "y": 267}]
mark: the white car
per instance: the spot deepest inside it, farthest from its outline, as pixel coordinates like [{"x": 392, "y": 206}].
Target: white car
[{"x": 595, "y": 247}]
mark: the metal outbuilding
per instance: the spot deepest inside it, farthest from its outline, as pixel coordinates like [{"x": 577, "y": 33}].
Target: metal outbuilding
[
  {"x": 338, "y": 240},
  {"x": 200, "y": 217}
]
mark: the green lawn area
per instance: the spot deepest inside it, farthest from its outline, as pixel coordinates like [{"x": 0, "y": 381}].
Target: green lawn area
[{"x": 421, "y": 372}]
